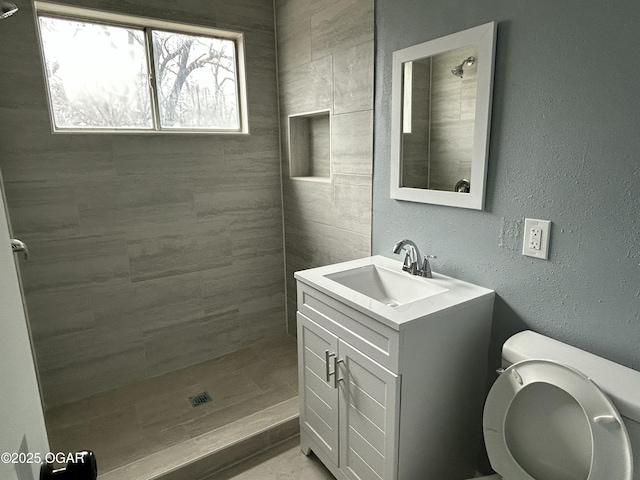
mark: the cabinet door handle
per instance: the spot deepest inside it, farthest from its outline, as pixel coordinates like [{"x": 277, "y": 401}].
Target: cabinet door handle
[
  {"x": 336, "y": 362},
  {"x": 327, "y": 372}
]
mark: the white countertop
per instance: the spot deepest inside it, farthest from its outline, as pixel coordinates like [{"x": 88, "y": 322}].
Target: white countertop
[{"x": 456, "y": 295}]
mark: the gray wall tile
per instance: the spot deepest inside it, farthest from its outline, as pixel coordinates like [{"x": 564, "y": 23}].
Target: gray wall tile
[
  {"x": 258, "y": 152},
  {"x": 352, "y": 203},
  {"x": 353, "y": 71},
  {"x": 330, "y": 221},
  {"x": 257, "y": 322},
  {"x": 319, "y": 146},
  {"x": 157, "y": 252},
  {"x": 135, "y": 201},
  {"x": 139, "y": 308},
  {"x": 415, "y": 141},
  {"x": 256, "y": 233},
  {"x": 170, "y": 230},
  {"x": 42, "y": 210},
  {"x": 307, "y": 88},
  {"x": 28, "y": 129},
  {"x": 262, "y": 272},
  {"x": 24, "y": 69},
  {"x": 339, "y": 24},
  {"x": 58, "y": 312},
  {"x": 256, "y": 14},
  {"x": 178, "y": 346},
  {"x": 127, "y": 231},
  {"x": 452, "y": 119},
  {"x": 314, "y": 245},
  {"x": 308, "y": 201},
  {"x": 76, "y": 365},
  {"x": 220, "y": 290},
  {"x": 165, "y": 155},
  {"x": 329, "y": 245},
  {"x": 294, "y": 33},
  {"x": 76, "y": 262},
  {"x": 249, "y": 198},
  {"x": 58, "y": 166},
  {"x": 352, "y": 143}
]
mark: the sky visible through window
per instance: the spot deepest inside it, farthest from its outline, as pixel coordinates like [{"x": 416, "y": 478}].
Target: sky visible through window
[
  {"x": 98, "y": 77},
  {"x": 97, "y": 74},
  {"x": 196, "y": 80}
]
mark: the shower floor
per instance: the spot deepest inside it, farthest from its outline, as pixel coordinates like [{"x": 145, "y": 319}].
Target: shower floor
[{"x": 137, "y": 420}]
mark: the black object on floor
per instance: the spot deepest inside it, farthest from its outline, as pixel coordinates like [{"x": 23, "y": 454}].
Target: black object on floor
[{"x": 85, "y": 467}]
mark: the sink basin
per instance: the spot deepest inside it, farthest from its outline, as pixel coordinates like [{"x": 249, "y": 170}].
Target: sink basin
[
  {"x": 386, "y": 286},
  {"x": 377, "y": 287}
]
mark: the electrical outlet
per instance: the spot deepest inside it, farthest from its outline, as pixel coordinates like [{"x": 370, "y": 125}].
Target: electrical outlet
[{"x": 536, "y": 238}]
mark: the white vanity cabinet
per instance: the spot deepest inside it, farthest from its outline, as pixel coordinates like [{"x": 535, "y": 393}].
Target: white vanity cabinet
[
  {"x": 348, "y": 404},
  {"x": 391, "y": 401}
]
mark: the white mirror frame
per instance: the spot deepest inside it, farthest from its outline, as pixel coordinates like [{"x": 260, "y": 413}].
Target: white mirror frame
[{"x": 485, "y": 37}]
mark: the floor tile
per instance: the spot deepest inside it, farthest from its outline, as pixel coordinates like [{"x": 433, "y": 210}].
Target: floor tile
[
  {"x": 283, "y": 462},
  {"x": 131, "y": 422}
]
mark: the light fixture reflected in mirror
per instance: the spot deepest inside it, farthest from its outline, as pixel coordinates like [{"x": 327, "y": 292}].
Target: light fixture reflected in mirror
[{"x": 7, "y": 9}]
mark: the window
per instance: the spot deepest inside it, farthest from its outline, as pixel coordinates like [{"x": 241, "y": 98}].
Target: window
[
  {"x": 97, "y": 74},
  {"x": 197, "y": 86},
  {"x": 110, "y": 72}
]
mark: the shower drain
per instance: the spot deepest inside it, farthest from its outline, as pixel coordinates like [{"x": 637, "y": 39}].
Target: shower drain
[{"x": 200, "y": 399}]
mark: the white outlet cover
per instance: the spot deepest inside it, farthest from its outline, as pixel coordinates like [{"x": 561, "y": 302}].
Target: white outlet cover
[
  {"x": 545, "y": 232},
  {"x": 534, "y": 238}
]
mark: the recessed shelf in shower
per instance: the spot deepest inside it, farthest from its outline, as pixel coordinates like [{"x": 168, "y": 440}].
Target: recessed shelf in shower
[{"x": 310, "y": 145}]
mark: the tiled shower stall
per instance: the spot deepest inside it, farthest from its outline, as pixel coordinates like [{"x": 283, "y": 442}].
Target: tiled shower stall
[{"x": 151, "y": 253}]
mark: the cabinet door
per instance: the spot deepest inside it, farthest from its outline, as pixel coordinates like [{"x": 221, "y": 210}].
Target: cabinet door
[
  {"x": 317, "y": 349},
  {"x": 369, "y": 402}
]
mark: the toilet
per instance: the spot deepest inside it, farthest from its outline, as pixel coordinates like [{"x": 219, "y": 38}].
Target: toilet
[{"x": 559, "y": 413}]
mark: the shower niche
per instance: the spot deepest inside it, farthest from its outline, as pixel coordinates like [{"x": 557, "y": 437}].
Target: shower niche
[{"x": 310, "y": 146}]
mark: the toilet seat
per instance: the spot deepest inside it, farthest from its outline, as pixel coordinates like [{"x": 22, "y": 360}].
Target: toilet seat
[{"x": 606, "y": 454}]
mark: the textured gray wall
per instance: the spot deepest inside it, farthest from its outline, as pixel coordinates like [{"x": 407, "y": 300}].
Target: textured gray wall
[
  {"x": 564, "y": 147},
  {"x": 325, "y": 62},
  {"x": 149, "y": 252}
]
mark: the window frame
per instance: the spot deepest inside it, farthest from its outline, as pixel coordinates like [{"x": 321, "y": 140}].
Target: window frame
[{"x": 148, "y": 25}]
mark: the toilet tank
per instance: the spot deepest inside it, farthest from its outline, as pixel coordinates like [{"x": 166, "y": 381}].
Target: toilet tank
[{"x": 621, "y": 384}]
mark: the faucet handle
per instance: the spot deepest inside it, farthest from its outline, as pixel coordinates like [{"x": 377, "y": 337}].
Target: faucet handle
[
  {"x": 413, "y": 269},
  {"x": 406, "y": 264},
  {"x": 426, "y": 266}
]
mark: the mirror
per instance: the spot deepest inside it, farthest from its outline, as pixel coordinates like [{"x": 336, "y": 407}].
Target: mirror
[{"x": 441, "y": 109}]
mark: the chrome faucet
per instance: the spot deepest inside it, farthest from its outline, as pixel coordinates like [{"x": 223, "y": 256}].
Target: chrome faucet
[
  {"x": 411, "y": 261},
  {"x": 412, "y": 256}
]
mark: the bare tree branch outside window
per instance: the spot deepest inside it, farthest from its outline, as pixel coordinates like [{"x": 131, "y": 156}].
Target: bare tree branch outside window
[
  {"x": 98, "y": 78},
  {"x": 195, "y": 77},
  {"x": 96, "y": 74}
]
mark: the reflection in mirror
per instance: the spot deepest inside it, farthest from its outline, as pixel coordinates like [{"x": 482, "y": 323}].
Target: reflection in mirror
[
  {"x": 441, "y": 107},
  {"x": 439, "y": 102}
]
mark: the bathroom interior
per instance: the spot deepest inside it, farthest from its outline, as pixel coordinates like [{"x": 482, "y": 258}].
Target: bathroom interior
[{"x": 162, "y": 266}]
